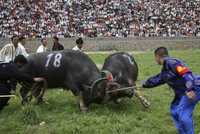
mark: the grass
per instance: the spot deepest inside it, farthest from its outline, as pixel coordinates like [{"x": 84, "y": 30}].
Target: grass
[{"x": 62, "y": 116}]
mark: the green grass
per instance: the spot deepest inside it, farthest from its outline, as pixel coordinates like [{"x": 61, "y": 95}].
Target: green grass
[{"x": 62, "y": 116}]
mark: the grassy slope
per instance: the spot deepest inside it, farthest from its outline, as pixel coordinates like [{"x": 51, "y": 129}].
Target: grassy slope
[{"x": 61, "y": 115}]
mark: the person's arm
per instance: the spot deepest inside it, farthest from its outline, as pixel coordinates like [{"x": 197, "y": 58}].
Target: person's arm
[
  {"x": 20, "y": 76},
  {"x": 23, "y": 50},
  {"x": 5, "y": 76},
  {"x": 6, "y": 53},
  {"x": 40, "y": 49},
  {"x": 184, "y": 72},
  {"x": 187, "y": 75},
  {"x": 23, "y": 77},
  {"x": 153, "y": 81}
]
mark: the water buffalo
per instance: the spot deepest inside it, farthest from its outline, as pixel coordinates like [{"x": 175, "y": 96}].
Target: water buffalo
[
  {"x": 124, "y": 70},
  {"x": 67, "y": 69}
]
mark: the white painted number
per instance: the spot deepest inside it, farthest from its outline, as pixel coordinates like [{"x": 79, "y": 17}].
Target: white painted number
[
  {"x": 48, "y": 59},
  {"x": 57, "y": 60},
  {"x": 129, "y": 58}
]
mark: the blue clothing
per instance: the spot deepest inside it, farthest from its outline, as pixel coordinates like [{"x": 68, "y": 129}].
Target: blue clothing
[{"x": 179, "y": 77}]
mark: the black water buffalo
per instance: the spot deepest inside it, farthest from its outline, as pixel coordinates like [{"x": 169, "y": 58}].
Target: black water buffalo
[
  {"x": 124, "y": 70},
  {"x": 68, "y": 69}
]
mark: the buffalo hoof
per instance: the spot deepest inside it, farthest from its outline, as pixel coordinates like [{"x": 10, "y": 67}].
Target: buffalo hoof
[
  {"x": 40, "y": 101},
  {"x": 84, "y": 110},
  {"x": 117, "y": 101}
]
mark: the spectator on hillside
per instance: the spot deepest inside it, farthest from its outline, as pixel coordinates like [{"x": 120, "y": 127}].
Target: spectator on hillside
[{"x": 117, "y": 18}]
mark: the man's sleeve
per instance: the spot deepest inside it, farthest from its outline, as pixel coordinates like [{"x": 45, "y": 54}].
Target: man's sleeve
[
  {"x": 5, "y": 76},
  {"x": 4, "y": 54},
  {"x": 24, "y": 53},
  {"x": 153, "y": 81},
  {"x": 21, "y": 76},
  {"x": 184, "y": 72}
]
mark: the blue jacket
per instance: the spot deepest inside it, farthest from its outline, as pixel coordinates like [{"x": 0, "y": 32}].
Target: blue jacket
[{"x": 177, "y": 75}]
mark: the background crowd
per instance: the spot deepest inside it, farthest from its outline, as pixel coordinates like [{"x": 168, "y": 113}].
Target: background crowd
[{"x": 94, "y": 18}]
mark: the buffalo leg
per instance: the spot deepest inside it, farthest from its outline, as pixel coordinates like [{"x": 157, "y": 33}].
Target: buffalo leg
[
  {"x": 77, "y": 92},
  {"x": 82, "y": 104},
  {"x": 38, "y": 92},
  {"x": 24, "y": 92},
  {"x": 44, "y": 87}
]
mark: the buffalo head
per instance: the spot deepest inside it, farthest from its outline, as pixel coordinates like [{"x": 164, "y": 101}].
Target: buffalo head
[{"x": 99, "y": 92}]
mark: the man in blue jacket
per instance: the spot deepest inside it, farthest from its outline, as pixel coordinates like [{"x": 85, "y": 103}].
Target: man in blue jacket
[{"x": 186, "y": 87}]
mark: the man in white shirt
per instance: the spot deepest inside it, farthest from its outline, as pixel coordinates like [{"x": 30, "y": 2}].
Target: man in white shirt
[
  {"x": 43, "y": 47},
  {"x": 79, "y": 45},
  {"x": 21, "y": 50},
  {"x": 8, "y": 52}
]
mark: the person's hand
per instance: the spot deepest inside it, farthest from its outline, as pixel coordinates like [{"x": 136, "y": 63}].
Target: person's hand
[
  {"x": 143, "y": 84},
  {"x": 191, "y": 95},
  {"x": 38, "y": 79}
]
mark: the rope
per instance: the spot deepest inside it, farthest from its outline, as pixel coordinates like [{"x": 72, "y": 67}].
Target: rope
[
  {"x": 7, "y": 96},
  {"x": 124, "y": 88},
  {"x": 138, "y": 94}
]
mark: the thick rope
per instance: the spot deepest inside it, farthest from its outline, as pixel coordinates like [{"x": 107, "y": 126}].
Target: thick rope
[
  {"x": 124, "y": 88},
  {"x": 7, "y": 96},
  {"x": 138, "y": 94}
]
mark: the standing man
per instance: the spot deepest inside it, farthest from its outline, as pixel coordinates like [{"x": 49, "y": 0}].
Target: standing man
[
  {"x": 8, "y": 52},
  {"x": 21, "y": 50},
  {"x": 56, "y": 45},
  {"x": 186, "y": 87},
  {"x": 79, "y": 45},
  {"x": 43, "y": 47}
]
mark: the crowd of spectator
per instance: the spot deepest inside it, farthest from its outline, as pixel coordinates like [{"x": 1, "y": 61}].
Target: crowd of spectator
[{"x": 94, "y": 18}]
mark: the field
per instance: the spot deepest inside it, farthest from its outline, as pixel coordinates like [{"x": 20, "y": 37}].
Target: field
[{"x": 62, "y": 116}]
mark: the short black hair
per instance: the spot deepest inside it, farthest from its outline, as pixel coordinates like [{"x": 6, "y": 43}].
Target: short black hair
[
  {"x": 21, "y": 38},
  {"x": 14, "y": 36},
  {"x": 79, "y": 41},
  {"x": 161, "y": 51},
  {"x": 56, "y": 38},
  {"x": 20, "y": 59},
  {"x": 44, "y": 38}
]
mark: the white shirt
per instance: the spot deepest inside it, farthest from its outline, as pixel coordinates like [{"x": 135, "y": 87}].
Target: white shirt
[
  {"x": 76, "y": 49},
  {"x": 41, "y": 49},
  {"x": 7, "y": 53},
  {"x": 21, "y": 50}
]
